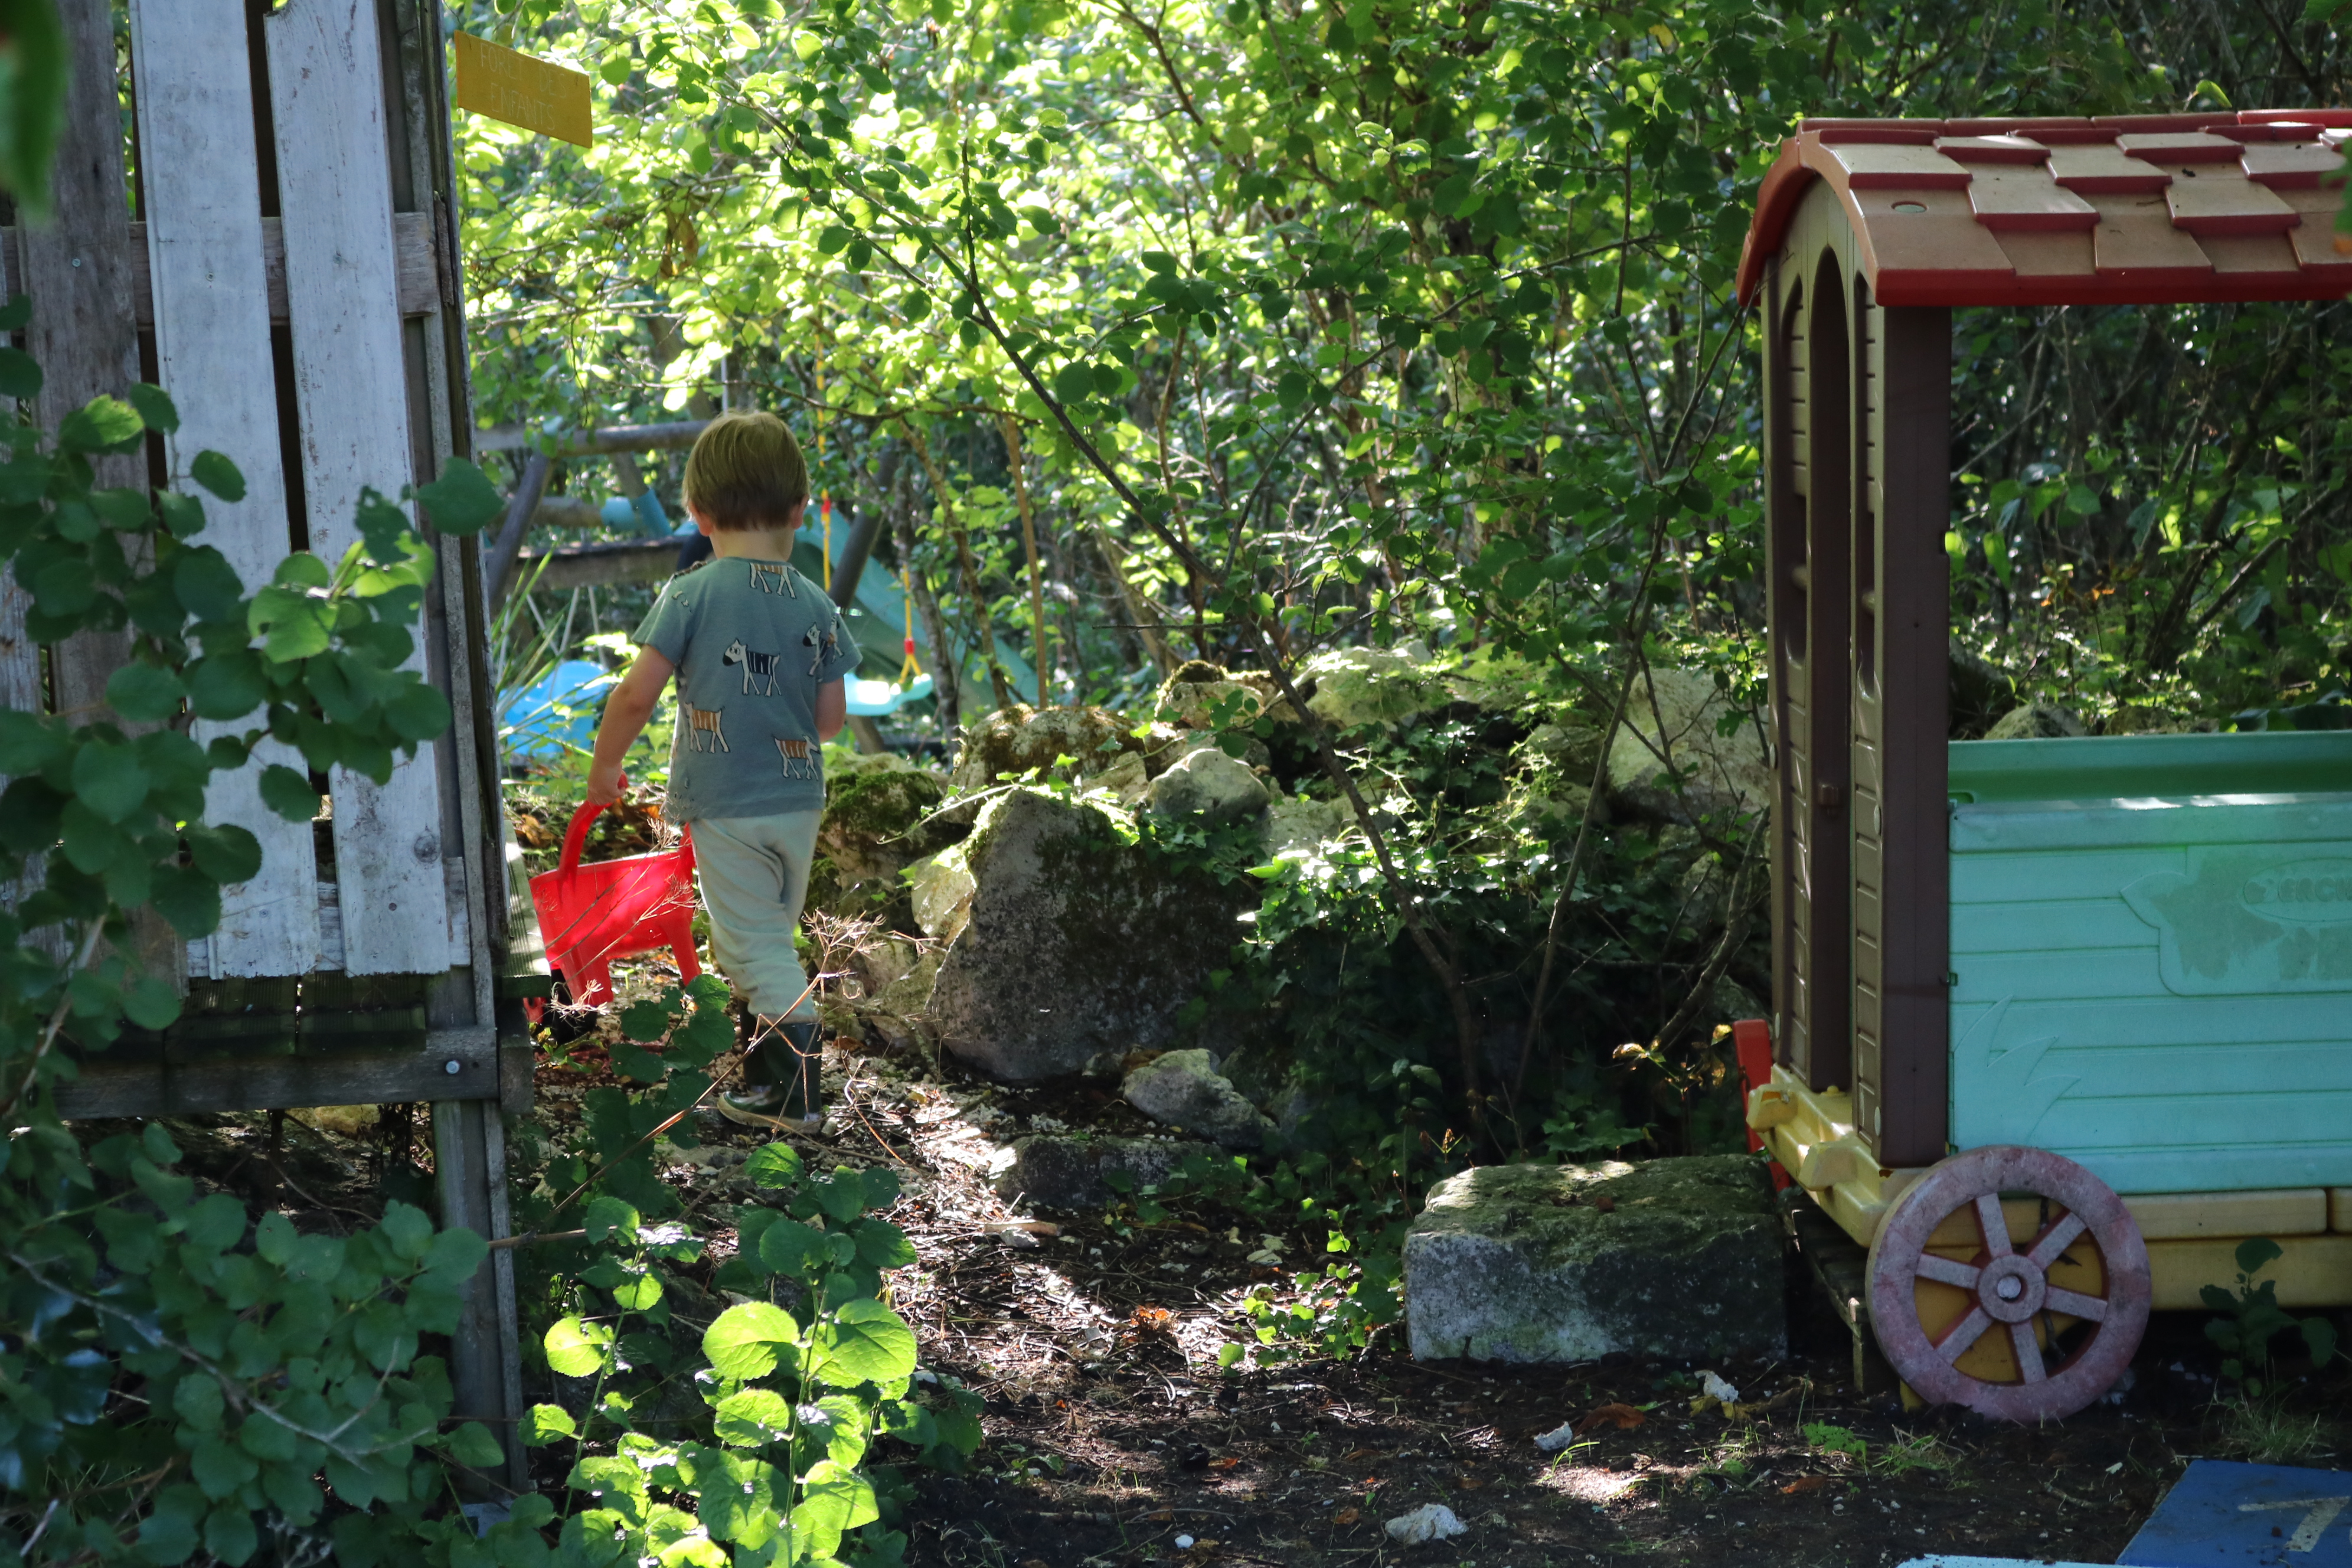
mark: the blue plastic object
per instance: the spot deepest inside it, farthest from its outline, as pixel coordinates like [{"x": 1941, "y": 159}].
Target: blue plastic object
[
  {"x": 2249, "y": 1516},
  {"x": 643, "y": 513},
  {"x": 872, "y": 699},
  {"x": 556, "y": 714}
]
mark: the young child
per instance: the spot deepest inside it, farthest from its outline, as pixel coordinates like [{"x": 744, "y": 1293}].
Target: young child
[{"x": 760, "y": 653}]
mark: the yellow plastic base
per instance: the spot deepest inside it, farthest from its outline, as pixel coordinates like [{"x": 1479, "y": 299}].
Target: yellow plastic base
[{"x": 2191, "y": 1236}]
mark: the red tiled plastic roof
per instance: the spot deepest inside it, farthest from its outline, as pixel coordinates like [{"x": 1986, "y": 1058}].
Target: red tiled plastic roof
[{"x": 2133, "y": 209}]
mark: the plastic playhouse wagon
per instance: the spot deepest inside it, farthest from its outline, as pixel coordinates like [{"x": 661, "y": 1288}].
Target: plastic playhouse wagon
[{"x": 2055, "y": 1024}]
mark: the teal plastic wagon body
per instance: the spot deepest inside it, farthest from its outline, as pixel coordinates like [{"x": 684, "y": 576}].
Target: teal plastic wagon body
[{"x": 2151, "y": 943}]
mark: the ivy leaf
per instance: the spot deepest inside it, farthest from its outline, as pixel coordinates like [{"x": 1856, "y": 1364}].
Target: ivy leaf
[
  {"x": 108, "y": 779},
  {"x": 786, "y": 1246},
  {"x": 545, "y": 1423},
  {"x": 834, "y": 1501},
  {"x": 144, "y": 694},
  {"x": 151, "y": 1002},
  {"x": 20, "y": 377},
  {"x": 866, "y": 1342},
  {"x": 775, "y": 1165},
  {"x": 462, "y": 501},
  {"x": 406, "y": 1228},
  {"x": 472, "y": 1444},
  {"x": 228, "y": 854},
  {"x": 576, "y": 1349},
  {"x": 607, "y": 1215},
  {"x": 746, "y": 1340},
  {"x": 205, "y": 582},
  {"x": 287, "y": 793},
  {"x": 218, "y": 475},
  {"x": 102, "y": 425},
  {"x": 753, "y": 1418},
  {"x": 646, "y": 1021},
  {"x": 292, "y": 624}
]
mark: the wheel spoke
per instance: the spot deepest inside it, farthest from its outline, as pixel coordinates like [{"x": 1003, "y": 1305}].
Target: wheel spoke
[
  {"x": 2056, "y": 1240},
  {"x": 2029, "y": 1354},
  {"x": 1948, "y": 1271},
  {"x": 1993, "y": 1224},
  {"x": 2075, "y": 1304},
  {"x": 1964, "y": 1333}
]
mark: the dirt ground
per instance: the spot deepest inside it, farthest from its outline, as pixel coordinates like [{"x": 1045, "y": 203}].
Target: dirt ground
[{"x": 1114, "y": 1437}]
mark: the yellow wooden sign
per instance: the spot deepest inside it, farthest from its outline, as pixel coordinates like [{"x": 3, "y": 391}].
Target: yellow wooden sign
[{"x": 521, "y": 89}]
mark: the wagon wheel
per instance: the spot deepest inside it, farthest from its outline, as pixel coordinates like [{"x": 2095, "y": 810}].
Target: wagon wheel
[{"x": 2020, "y": 1329}]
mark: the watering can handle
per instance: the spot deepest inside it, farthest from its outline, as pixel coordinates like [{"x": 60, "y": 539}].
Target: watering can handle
[{"x": 575, "y": 837}]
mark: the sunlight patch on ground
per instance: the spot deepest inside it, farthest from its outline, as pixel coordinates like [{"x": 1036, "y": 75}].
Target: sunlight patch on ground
[{"x": 1586, "y": 1484}]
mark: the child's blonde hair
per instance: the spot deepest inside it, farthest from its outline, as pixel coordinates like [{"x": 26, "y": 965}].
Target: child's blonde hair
[{"x": 746, "y": 472}]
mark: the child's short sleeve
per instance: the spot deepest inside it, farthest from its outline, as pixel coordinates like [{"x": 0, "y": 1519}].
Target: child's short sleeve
[
  {"x": 838, "y": 653},
  {"x": 668, "y": 627}
]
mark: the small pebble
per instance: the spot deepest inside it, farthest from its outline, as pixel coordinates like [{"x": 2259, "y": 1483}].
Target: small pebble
[{"x": 1183, "y": 1543}]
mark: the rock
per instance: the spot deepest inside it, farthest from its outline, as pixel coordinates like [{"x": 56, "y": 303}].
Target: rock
[
  {"x": 2144, "y": 721},
  {"x": 942, "y": 893},
  {"x": 1126, "y": 778},
  {"x": 1184, "y": 1090},
  {"x": 1558, "y": 1438},
  {"x": 1015, "y": 740},
  {"x": 1070, "y": 1173},
  {"x": 1355, "y": 686},
  {"x": 2038, "y": 721},
  {"x": 1300, "y": 826},
  {"x": 1211, "y": 786},
  {"x": 869, "y": 815},
  {"x": 1076, "y": 942},
  {"x": 1980, "y": 692},
  {"x": 1721, "y": 775},
  {"x": 1197, "y": 693},
  {"x": 1430, "y": 1522},
  {"x": 350, "y": 1121},
  {"x": 1521, "y": 1263}
]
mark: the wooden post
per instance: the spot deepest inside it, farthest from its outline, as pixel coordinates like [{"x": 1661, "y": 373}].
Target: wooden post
[{"x": 469, "y": 1163}]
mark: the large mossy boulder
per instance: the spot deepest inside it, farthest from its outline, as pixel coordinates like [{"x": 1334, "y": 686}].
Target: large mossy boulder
[
  {"x": 1359, "y": 686},
  {"x": 879, "y": 820},
  {"x": 1076, "y": 942},
  {"x": 1680, "y": 724},
  {"x": 1678, "y": 1257},
  {"x": 1018, "y": 738}
]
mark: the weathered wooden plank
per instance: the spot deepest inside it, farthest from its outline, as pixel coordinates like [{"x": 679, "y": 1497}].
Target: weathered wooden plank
[
  {"x": 78, "y": 273},
  {"x": 412, "y": 233},
  {"x": 203, "y": 250},
  {"x": 288, "y": 1082},
  {"x": 326, "y": 82}
]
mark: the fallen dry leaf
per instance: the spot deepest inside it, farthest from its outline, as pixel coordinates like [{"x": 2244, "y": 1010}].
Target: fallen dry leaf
[
  {"x": 1348, "y": 1516},
  {"x": 1624, "y": 1417},
  {"x": 1470, "y": 1483},
  {"x": 1161, "y": 1515},
  {"x": 1356, "y": 1454},
  {"x": 1807, "y": 1484},
  {"x": 1224, "y": 1464}
]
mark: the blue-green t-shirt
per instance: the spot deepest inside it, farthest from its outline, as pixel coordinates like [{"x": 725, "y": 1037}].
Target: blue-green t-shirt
[{"x": 753, "y": 641}]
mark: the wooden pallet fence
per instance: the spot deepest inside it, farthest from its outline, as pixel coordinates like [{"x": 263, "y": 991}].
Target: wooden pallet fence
[{"x": 289, "y": 276}]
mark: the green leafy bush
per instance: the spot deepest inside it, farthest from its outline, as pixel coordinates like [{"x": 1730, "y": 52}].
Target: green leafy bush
[
  {"x": 2250, "y": 1318},
  {"x": 174, "y": 1378}
]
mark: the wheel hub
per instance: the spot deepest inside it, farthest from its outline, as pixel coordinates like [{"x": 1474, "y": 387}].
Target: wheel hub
[{"x": 2011, "y": 1290}]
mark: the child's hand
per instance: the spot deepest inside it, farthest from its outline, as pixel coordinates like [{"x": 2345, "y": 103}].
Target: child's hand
[{"x": 605, "y": 784}]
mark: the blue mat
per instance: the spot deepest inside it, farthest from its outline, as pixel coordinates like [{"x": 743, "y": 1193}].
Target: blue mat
[
  {"x": 2273, "y": 1516},
  {"x": 556, "y": 712}
]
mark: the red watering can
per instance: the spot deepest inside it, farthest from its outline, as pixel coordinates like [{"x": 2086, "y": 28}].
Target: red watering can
[{"x": 592, "y": 914}]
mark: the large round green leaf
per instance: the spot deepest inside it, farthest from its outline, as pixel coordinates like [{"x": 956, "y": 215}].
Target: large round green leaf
[
  {"x": 865, "y": 1342},
  {"x": 745, "y": 1340},
  {"x": 576, "y": 1349}
]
